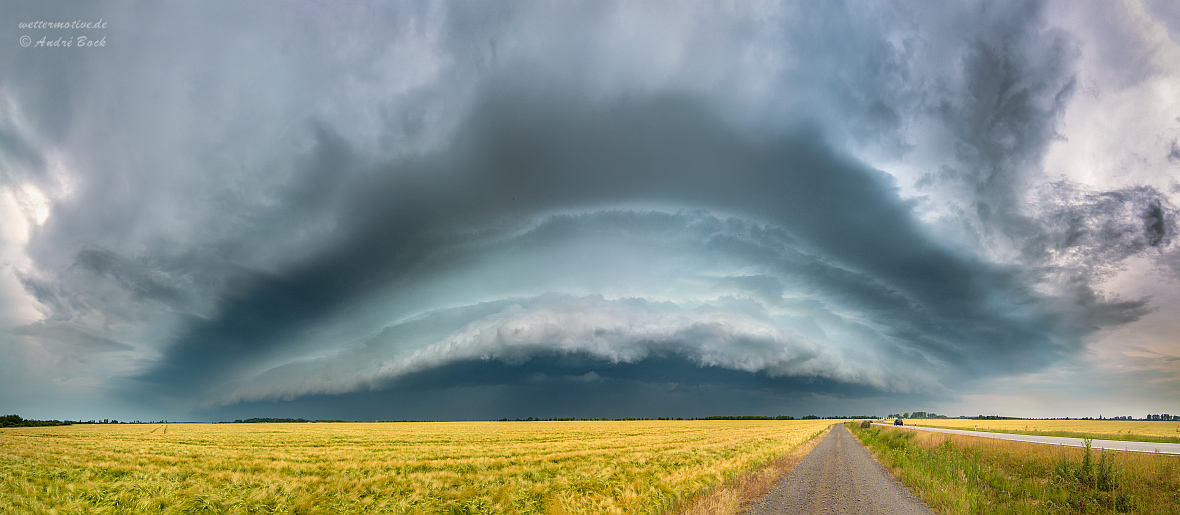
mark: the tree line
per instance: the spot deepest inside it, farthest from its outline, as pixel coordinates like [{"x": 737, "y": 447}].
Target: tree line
[
  {"x": 280, "y": 420},
  {"x": 17, "y": 421}
]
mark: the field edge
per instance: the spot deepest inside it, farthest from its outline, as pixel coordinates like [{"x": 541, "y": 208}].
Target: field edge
[
  {"x": 960, "y": 474},
  {"x": 737, "y": 495}
]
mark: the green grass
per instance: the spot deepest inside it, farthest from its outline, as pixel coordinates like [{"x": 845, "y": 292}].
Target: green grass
[{"x": 961, "y": 474}]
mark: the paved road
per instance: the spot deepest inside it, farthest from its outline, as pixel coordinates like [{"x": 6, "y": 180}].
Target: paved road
[
  {"x": 839, "y": 476},
  {"x": 1113, "y": 445}
]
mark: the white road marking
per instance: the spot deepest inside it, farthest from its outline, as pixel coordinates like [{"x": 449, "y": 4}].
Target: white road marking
[{"x": 1111, "y": 445}]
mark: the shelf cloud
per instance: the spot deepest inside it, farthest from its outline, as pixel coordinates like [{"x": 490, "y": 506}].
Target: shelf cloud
[{"x": 445, "y": 209}]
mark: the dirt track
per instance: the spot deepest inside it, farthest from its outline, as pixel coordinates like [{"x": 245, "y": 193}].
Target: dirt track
[{"x": 839, "y": 476}]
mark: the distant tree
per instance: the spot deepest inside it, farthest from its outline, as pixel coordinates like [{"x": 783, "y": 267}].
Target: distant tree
[
  {"x": 739, "y": 417},
  {"x": 271, "y": 420},
  {"x": 16, "y": 421},
  {"x": 10, "y": 420}
]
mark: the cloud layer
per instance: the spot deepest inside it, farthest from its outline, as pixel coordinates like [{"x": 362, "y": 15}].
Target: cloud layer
[{"x": 287, "y": 203}]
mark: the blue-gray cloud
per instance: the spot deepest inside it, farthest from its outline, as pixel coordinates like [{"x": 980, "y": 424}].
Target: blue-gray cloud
[
  {"x": 441, "y": 196},
  {"x": 526, "y": 155}
]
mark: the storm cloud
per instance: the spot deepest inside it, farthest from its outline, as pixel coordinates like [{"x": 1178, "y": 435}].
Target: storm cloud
[{"x": 554, "y": 206}]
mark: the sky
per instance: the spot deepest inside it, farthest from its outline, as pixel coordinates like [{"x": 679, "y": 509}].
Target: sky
[{"x": 455, "y": 210}]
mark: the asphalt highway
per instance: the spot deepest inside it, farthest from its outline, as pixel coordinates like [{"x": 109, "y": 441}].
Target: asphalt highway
[{"x": 1112, "y": 445}]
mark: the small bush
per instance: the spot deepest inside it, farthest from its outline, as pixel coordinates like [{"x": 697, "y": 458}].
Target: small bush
[
  {"x": 1090, "y": 483},
  {"x": 866, "y": 424}
]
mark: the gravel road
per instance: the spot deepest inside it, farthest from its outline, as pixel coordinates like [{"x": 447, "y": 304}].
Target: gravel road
[{"x": 839, "y": 476}]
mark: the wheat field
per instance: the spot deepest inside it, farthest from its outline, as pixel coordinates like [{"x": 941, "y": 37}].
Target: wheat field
[
  {"x": 1114, "y": 428},
  {"x": 449, "y": 467}
]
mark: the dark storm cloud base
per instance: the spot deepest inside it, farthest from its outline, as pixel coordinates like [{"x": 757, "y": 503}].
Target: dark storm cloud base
[{"x": 574, "y": 386}]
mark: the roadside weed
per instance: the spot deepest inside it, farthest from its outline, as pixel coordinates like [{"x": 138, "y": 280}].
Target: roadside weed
[{"x": 969, "y": 475}]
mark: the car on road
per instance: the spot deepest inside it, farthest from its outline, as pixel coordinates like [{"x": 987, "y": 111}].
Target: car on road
[{"x": 897, "y": 422}]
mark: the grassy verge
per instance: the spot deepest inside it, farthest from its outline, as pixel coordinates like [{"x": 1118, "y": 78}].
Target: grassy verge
[
  {"x": 1121, "y": 437},
  {"x": 963, "y": 474}
]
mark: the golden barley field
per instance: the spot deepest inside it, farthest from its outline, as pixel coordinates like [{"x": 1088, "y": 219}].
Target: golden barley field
[
  {"x": 449, "y": 467},
  {"x": 1096, "y": 428}
]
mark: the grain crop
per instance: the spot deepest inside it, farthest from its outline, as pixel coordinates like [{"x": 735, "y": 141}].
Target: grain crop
[{"x": 411, "y": 468}]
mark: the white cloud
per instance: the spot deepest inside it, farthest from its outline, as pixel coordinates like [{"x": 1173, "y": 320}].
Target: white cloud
[
  {"x": 1120, "y": 126},
  {"x": 22, "y": 209},
  {"x": 611, "y": 331}
]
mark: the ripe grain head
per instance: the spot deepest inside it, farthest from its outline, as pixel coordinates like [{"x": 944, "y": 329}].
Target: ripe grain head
[{"x": 492, "y": 467}]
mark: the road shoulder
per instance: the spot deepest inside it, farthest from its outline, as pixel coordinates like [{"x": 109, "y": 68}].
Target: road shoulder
[
  {"x": 738, "y": 495},
  {"x": 840, "y": 476}
]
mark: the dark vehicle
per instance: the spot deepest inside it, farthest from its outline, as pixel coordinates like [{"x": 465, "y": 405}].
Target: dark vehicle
[{"x": 897, "y": 422}]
